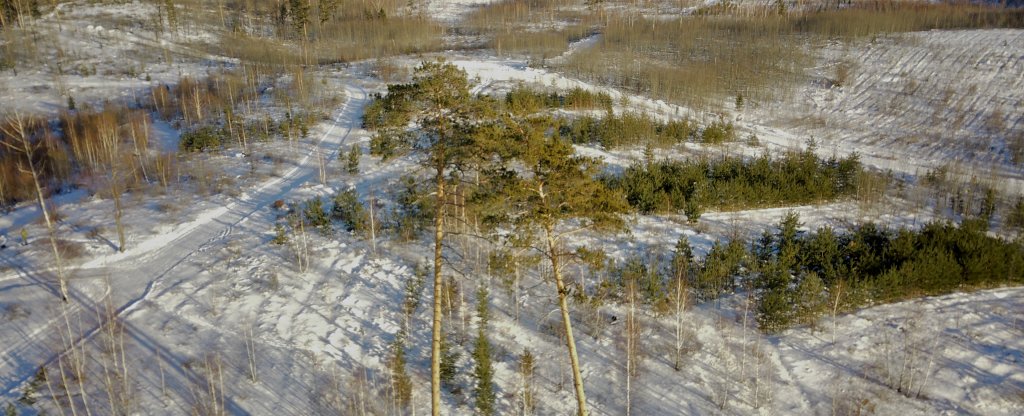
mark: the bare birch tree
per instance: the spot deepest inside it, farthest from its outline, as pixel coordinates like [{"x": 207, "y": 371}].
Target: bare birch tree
[{"x": 17, "y": 127}]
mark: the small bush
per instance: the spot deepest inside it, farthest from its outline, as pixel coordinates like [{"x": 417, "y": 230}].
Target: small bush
[
  {"x": 315, "y": 216},
  {"x": 349, "y": 211},
  {"x": 718, "y": 132},
  {"x": 200, "y": 140}
]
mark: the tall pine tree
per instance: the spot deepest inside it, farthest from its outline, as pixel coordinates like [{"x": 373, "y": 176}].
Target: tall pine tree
[
  {"x": 556, "y": 186},
  {"x": 483, "y": 371}
]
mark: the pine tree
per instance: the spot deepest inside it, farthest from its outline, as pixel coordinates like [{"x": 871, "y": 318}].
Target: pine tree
[
  {"x": 1015, "y": 218},
  {"x": 326, "y": 10},
  {"x": 483, "y": 372},
  {"x": 400, "y": 380},
  {"x": 556, "y": 186},
  {"x": 352, "y": 164},
  {"x": 315, "y": 216},
  {"x": 446, "y": 113},
  {"x": 299, "y": 11},
  {"x": 526, "y": 367},
  {"x": 350, "y": 211},
  {"x": 448, "y": 362},
  {"x": 280, "y": 237},
  {"x": 172, "y": 15},
  {"x": 811, "y": 298}
]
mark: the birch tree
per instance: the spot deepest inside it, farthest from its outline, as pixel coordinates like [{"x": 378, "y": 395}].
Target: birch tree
[
  {"x": 110, "y": 143},
  {"x": 17, "y": 129}
]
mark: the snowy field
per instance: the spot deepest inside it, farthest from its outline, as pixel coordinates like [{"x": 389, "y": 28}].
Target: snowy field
[
  {"x": 204, "y": 306},
  {"x": 921, "y": 101}
]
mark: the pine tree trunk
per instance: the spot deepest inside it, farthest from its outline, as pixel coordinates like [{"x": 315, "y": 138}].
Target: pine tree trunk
[
  {"x": 563, "y": 304},
  {"x": 435, "y": 350}
]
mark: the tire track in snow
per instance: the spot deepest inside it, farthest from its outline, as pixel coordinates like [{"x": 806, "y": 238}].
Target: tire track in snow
[{"x": 147, "y": 251}]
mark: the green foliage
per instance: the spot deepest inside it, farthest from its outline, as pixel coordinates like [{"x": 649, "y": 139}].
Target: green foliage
[
  {"x": 682, "y": 260},
  {"x": 414, "y": 291},
  {"x": 280, "y": 236},
  {"x": 718, "y": 132},
  {"x": 559, "y": 185},
  {"x": 71, "y": 103},
  {"x": 298, "y": 10},
  {"x": 774, "y": 310},
  {"x": 811, "y": 299},
  {"x": 10, "y": 410},
  {"x": 1015, "y": 218},
  {"x": 721, "y": 266},
  {"x": 522, "y": 100},
  {"x": 736, "y": 183},
  {"x": 630, "y": 129},
  {"x": 413, "y": 210},
  {"x": 400, "y": 380},
  {"x": 314, "y": 215},
  {"x": 988, "y": 206},
  {"x": 350, "y": 211},
  {"x": 693, "y": 209},
  {"x": 648, "y": 280},
  {"x": 352, "y": 162},
  {"x": 879, "y": 266},
  {"x": 202, "y": 139},
  {"x": 483, "y": 371},
  {"x": 527, "y": 365},
  {"x": 449, "y": 363},
  {"x": 395, "y": 109}
]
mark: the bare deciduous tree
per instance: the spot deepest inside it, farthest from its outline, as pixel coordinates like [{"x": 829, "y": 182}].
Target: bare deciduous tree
[{"x": 17, "y": 127}]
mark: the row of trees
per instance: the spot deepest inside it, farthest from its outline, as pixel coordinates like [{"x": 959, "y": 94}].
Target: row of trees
[
  {"x": 634, "y": 129},
  {"x": 733, "y": 182},
  {"x": 522, "y": 100},
  {"x": 793, "y": 277}
]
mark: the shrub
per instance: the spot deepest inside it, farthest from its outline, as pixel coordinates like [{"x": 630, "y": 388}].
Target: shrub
[
  {"x": 315, "y": 216},
  {"x": 718, "y": 132},
  {"x": 349, "y": 211},
  {"x": 736, "y": 183},
  {"x": 202, "y": 139},
  {"x": 630, "y": 129}
]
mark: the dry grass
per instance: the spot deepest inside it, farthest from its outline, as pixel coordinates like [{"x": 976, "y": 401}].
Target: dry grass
[
  {"x": 871, "y": 18},
  {"x": 359, "y": 39},
  {"x": 699, "y": 61},
  {"x": 539, "y": 29},
  {"x": 723, "y": 52}
]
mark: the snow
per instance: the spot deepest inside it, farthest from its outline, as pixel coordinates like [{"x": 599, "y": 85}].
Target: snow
[
  {"x": 915, "y": 102},
  {"x": 451, "y": 11},
  {"x": 201, "y": 280}
]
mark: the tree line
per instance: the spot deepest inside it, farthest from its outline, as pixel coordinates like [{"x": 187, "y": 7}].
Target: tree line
[
  {"x": 516, "y": 180},
  {"x": 793, "y": 276},
  {"x": 733, "y": 182}
]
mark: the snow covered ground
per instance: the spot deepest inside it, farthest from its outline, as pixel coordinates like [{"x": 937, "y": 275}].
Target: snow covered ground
[
  {"x": 920, "y": 100},
  {"x": 203, "y": 294}
]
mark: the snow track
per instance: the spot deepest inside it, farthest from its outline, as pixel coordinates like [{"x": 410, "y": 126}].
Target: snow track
[{"x": 161, "y": 261}]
